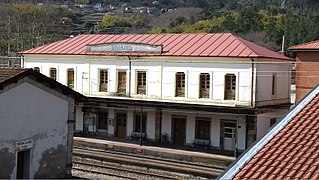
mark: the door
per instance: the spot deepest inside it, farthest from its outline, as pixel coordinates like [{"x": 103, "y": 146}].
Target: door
[
  {"x": 179, "y": 130},
  {"x": 121, "y": 125},
  {"x": 23, "y": 164},
  {"x": 228, "y": 134}
]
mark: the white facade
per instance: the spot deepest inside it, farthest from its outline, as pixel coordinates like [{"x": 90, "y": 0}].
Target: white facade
[
  {"x": 255, "y": 85},
  {"x": 30, "y": 111},
  {"x": 253, "y": 81}
]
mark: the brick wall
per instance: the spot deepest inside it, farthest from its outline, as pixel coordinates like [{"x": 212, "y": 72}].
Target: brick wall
[{"x": 307, "y": 73}]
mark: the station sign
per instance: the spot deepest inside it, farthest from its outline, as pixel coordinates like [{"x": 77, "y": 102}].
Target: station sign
[
  {"x": 125, "y": 47},
  {"x": 24, "y": 145}
]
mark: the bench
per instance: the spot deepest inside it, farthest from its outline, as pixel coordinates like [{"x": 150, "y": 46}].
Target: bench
[
  {"x": 201, "y": 143},
  {"x": 136, "y": 135}
]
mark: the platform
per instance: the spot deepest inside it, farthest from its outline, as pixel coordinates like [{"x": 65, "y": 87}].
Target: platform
[{"x": 170, "y": 153}]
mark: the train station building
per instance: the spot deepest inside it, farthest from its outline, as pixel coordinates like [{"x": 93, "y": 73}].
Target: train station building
[{"x": 217, "y": 90}]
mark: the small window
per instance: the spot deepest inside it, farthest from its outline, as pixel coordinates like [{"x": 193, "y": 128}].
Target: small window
[
  {"x": 53, "y": 73},
  {"x": 202, "y": 128},
  {"x": 70, "y": 79},
  {"x": 204, "y": 84},
  {"x": 230, "y": 86},
  {"x": 37, "y": 69},
  {"x": 141, "y": 82},
  {"x": 274, "y": 84},
  {"x": 103, "y": 80},
  {"x": 140, "y": 118},
  {"x": 180, "y": 84},
  {"x": 272, "y": 121}
]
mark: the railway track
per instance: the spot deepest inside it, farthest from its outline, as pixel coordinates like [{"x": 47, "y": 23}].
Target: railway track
[
  {"x": 116, "y": 171},
  {"x": 154, "y": 163}
]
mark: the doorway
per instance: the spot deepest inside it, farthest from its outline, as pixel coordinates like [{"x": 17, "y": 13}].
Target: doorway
[
  {"x": 179, "y": 130},
  {"x": 121, "y": 118},
  {"x": 228, "y": 134},
  {"x": 23, "y": 164}
]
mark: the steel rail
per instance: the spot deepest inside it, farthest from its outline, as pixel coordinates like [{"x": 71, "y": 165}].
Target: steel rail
[{"x": 181, "y": 167}]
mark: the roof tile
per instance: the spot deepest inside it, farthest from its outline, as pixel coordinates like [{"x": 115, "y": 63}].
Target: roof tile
[{"x": 294, "y": 151}]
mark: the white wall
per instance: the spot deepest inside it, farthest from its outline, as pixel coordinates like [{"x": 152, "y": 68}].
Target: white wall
[
  {"x": 264, "y": 84},
  {"x": 160, "y": 76},
  {"x": 27, "y": 112},
  {"x": 263, "y": 121}
]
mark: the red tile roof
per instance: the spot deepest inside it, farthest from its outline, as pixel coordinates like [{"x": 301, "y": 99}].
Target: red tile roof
[
  {"x": 314, "y": 45},
  {"x": 291, "y": 149},
  {"x": 203, "y": 45}
]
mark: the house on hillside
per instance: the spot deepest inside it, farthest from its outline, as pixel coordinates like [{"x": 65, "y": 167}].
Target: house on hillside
[
  {"x": 217, "y": 90},
  {"x": 37, "y": 117},
  {"x": 307, "y": 65},
  {"x": 288, "y": 151}
]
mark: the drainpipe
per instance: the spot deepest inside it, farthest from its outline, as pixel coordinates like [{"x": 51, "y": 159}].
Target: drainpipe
[
  {"x": 252, "y": 98},
  {"x": 129, "y": 75},
  {"x": 161, "y": 79}
]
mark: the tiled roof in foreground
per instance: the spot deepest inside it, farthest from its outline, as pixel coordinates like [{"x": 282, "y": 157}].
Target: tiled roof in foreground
[
  {"x": 289, "y": 150},
  {"x": 190, "y": 45}
]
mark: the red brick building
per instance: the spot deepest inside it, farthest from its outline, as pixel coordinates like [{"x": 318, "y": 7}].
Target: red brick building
[{"x": 307, "y": 68}]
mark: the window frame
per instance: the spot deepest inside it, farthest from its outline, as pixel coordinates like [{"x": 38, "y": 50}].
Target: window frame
[
  {"x": 206, "y": 83},
  {"x": 105, "y": 81},
  {"x": 199, "y": 124},
  {"x": 274, "y": 84},
  {"x": 141, "y": 87},
  {"x": 180, "y": 84},
  {"x": 68, "y": 78},
  {"x": 118, "y": 82},
  {"x": 53, "y": 73},
  {"x": 230, "y": 86}
]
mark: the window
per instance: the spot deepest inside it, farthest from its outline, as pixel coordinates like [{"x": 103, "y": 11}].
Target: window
[
  {"x": 204, "y": 85},
  {"x": 103, "y": 80},
  {"x": 70, "y": 80},
  {"x": 102, "y": 120},
  {"x": 274, "y": 84},
  {"x": 272, "y": 121},
  {"x": 202, "y": 128},
  {"x": 121, "y": 82},
  {"x": 37, "y": 69},
  {"x": 230, "y": 86},
  {"x": 53, "y": 73},
  {"x": 137, "y": 122},
  {"x": 141, "y": 82},
  {"x": 180, "y": 84}
]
